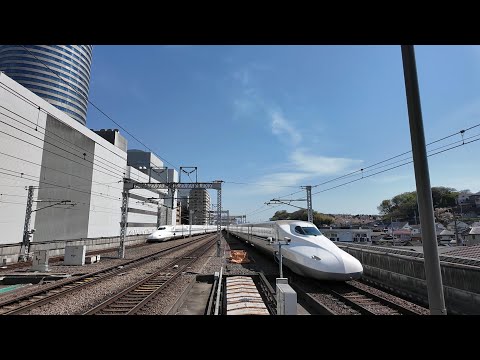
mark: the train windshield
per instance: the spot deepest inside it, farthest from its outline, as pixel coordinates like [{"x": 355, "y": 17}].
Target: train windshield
[{"x": 303, "y": 230}]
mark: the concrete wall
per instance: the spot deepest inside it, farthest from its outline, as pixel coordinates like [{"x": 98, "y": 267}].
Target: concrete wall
[
  {"x": 49, "y": 150},
  {"x": 63, "y": 151},
  {"x": 18, "y": 120},
  {"x": 406, "y": 275},
  {"x": 9, "y": 253},
  {"x": 27, "y": 148}
]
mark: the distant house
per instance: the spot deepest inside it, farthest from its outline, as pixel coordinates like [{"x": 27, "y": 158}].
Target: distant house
[
  {"x": 348, "y": 235},
  {"x": 403, "y": 234},
  {"x": 464, "y": 198},
  {"x": 445, "y": 236},
  {"x": 416, "y": 231},
  {"x": 473, "y": 236},
  {"x": 476, "y": 199},
  {"x": 398, "y": 225},
  {"x": 460, "y": 226}
]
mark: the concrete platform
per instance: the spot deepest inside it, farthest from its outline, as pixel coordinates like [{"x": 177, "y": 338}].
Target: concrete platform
[{"x": 197, "y": 299}]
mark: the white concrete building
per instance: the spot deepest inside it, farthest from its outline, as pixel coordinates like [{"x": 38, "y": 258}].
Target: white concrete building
[
  {"x": 348, "y": 235},
  {"x": 41, "y": 146}
]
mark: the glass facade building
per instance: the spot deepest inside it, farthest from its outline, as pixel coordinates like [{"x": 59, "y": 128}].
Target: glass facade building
[{"x": 27, "y": 65}]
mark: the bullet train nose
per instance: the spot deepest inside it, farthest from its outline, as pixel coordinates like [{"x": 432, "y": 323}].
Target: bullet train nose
[{"x": 351, "y": 264}]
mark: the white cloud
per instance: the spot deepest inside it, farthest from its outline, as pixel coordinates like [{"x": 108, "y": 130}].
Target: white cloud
[
  {"x": 320, "y": 165},
  {"x": 272, "y": 183},
  {"x": 281, "y": 126}
]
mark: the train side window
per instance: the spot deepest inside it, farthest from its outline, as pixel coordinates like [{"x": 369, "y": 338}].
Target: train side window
[{"x": 299, "y": 230}]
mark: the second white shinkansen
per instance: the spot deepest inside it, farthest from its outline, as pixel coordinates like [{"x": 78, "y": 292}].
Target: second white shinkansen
[{"x": 170, "y": 232}]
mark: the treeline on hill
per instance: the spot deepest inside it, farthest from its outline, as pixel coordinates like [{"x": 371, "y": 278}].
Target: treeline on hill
[
  {"x": 404, "y": 207},
  {"x": 318, "y": 218}
]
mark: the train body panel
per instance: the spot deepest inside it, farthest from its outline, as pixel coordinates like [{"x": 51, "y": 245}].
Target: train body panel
[
  {"x": 309, "y": 253},
  {"x": 170, "y": 232}
]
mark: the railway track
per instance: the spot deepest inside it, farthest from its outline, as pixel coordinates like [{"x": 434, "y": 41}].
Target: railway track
[
  {"x": 51, "y": 292},
  {"x": 351, "y": 298},
  {"x": 132, "y": 299},
  {"x": 367, "y": 303}
]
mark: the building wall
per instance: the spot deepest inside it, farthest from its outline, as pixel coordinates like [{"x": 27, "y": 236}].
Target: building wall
[
  {"x": 63, "y": 151},
  {"x": 64, "y": 160},
  {"x": 25, "y": 153},
  {"x": 17, "y": 125},
  {"x": 107, "y": 187}
]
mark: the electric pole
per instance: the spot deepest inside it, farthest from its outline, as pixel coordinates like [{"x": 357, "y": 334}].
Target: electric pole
[{"x": 433, "y": 272}]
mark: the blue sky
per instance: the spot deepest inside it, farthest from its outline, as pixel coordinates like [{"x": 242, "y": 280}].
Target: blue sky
[{"x": 279, "y": 117}]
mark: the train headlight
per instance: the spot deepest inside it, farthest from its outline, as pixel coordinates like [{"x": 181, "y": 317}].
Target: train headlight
[{"x": 315, "y": 257}]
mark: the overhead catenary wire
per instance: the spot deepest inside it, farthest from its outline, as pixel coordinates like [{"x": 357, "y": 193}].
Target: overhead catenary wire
[
  {"x": 62, "y": 172},
  {"x": 68, "y": 152},
  {"x": 436, "y": 151},
  {"x": 362, "y": 171},
  {"x": 56, "y": 185},
  {"x": 394, "y": 167},
  {"x": 52, "y": 135},
  {"x": 460, "y": 132}
]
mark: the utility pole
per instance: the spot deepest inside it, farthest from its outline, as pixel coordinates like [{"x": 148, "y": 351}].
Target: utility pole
[
  {"x": 309, "y": 203},
  {"x": 424, "y": 190},
  {"x": 124, "y": 218},
  {"x": 26, "y": 227},
  {"x": 456, "y": 231},
  {"x": 219, "y": 212},
  {"x": 280, "y": 257},
  {"x": 159, "y": 213},
  {"x": 190, "y": 222},
  {"x": 27, "y": 233}
]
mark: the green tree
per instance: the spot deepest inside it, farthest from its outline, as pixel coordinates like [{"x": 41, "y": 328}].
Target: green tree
[
  {"x": 280, "y": 215},
  {"x": 404, "y": 206},
  {"x": 319, "y": 219},
  {"x": 385, "y": 207}
]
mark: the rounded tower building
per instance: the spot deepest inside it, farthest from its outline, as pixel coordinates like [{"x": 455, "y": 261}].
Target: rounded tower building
[{"x": 27, "y": 65}]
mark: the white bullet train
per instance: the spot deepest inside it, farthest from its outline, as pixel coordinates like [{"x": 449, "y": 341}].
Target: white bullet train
[
  {"x": 308, "y": 253},
  {"x": 170, "y": 232}
]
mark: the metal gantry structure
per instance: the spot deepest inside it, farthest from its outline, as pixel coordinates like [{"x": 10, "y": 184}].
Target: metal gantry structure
[
  {"x": 130, "y": 185},
  {"x": 309, "y": 203},
  {"x": 288, "y": 202}
]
